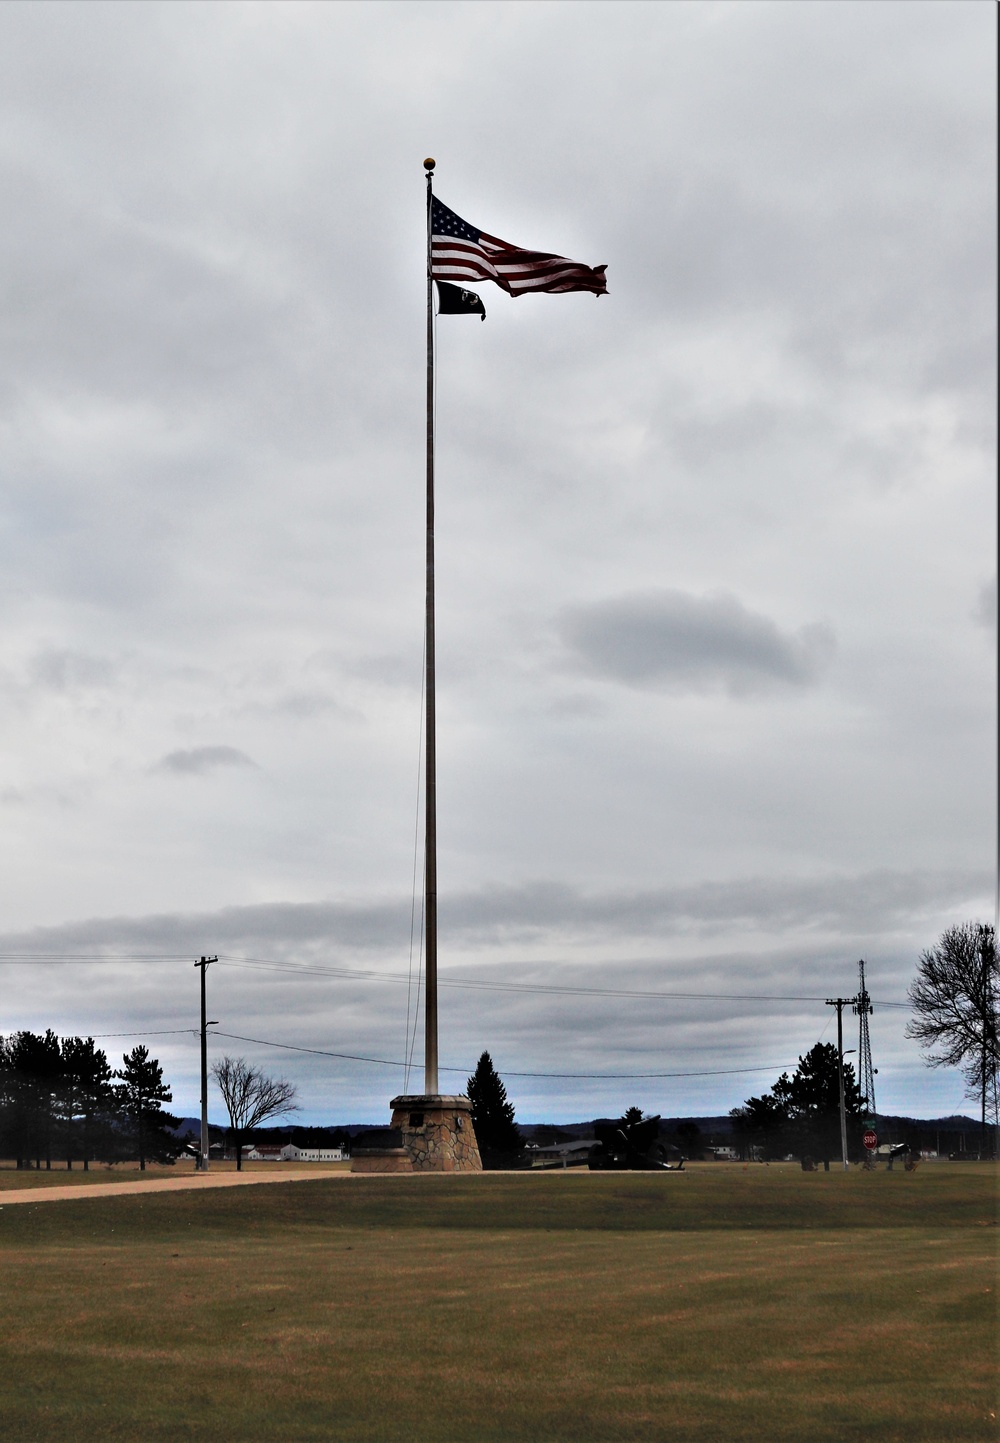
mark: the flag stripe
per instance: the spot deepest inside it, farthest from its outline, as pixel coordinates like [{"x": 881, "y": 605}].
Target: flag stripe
[{"x": 461, "y": 253}]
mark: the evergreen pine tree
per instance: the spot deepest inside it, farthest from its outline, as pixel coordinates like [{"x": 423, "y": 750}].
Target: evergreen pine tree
[
  {"x": 803, "y": 1111},
  {"x": 34, "y": 1075},
  {"x": 499, "y": 1138},
  {"x": 87, "y": 1098},
  {"x": 8, "y": 1098},
  {"x": 141, "y": 1092}
]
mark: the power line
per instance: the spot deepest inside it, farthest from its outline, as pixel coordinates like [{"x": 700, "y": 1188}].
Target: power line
[
  {"x": 563, "y": 1076},
  {"x": 477, "y": 984},
  {"x": 87, "y": 958},
  {"x": 318, "y": 1051},
  {"x": 465, "y": 983},
  {"x": 163, "y": 1032}
]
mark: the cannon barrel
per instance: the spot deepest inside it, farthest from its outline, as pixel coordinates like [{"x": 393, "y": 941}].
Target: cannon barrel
[{"x": 632, "y": 1147}]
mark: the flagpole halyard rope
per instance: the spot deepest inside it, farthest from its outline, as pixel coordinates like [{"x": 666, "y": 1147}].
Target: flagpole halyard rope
[{"x": 408, "y": 1041}]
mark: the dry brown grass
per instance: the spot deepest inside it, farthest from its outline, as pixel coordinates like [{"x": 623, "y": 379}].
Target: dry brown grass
[{"x": 561, "y": 1307}]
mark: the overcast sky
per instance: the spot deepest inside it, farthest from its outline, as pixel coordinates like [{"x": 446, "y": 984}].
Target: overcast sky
[{"x": 717, "y": 590}]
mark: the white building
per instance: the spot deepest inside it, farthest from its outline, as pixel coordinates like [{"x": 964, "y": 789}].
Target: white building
[
  {"x": 265, "y": 1152},
  {"x": 291, "y": 1153}
]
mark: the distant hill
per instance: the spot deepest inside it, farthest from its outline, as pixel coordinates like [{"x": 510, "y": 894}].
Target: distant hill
[
  {"x": 192, "y": 1126},
  {"x": 955, "y": 1133},
  {"x": 547, "y": 1133},
  {"x": 289, "y": 1132}
]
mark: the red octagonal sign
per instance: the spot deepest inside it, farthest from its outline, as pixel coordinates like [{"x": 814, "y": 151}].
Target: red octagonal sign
[{"x": 870, "y": 1141}]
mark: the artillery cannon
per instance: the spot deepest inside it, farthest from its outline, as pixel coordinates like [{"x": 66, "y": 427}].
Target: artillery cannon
[{"x": 633, "y": 1147}]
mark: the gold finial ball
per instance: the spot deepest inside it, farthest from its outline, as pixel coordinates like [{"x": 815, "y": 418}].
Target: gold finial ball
[{"x": 429, "y": 163}]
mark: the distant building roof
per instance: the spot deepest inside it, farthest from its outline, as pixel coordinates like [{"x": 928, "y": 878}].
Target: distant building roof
[{"x": 565, "y": 1149}]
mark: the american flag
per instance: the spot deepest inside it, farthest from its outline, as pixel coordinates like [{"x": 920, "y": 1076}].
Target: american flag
[{"x": 461, "y": 253}]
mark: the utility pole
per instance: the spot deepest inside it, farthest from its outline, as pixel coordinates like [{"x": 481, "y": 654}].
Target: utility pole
[
  {"x": 204, "y": 963},
  {"x": 866, "y": 1073},
  {"x": 840, "y": 1003}
]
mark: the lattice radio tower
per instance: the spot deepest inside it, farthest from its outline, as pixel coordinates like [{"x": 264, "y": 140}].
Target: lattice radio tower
[{"x": 866, "y": 1073}]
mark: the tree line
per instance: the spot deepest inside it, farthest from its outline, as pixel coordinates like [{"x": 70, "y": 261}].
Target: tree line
[
  {"x": 61, "y": 1101},
  {"x": 800, "y": 1115},
  {"x": 954, "y": 999}
]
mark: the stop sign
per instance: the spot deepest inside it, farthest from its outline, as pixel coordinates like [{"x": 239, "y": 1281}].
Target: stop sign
[{"x": 870, "y": 1141}]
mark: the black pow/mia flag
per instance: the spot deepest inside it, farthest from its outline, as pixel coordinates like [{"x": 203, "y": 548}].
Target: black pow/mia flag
[{"x": 456, "y": 301}]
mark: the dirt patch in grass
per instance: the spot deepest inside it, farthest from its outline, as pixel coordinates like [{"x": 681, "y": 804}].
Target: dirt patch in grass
[{"x": 14, "y": 1178}]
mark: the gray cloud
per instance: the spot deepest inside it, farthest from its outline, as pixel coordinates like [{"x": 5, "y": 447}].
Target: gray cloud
[
  {"x": 298, "y": 705},
  {"x": 801, "y": 937},
  {"x": 674, "y": 639},
  {"x": 876, "y": 902},
  {"x": 392, "y": 671},
  {"x": 63, "y": 670},
  {"x": 196, "y": 761},
  {"x": 985, "y": 612}
]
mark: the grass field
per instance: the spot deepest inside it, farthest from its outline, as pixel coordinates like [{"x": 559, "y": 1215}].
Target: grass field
[{"x": 719, "y": 1304}]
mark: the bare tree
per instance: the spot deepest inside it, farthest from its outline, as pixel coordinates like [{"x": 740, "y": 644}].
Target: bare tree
[
  {"x": 251, "y": 1098},
  {"x": 954, "y": 999}
]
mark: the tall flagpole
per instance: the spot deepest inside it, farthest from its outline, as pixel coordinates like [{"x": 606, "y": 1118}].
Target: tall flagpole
[{"x": 430, "y": 751}]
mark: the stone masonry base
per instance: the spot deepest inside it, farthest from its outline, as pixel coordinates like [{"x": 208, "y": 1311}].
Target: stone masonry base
[
  {"x": 437, "y": 1132},
  {"x": 437, "y": 1135}
]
